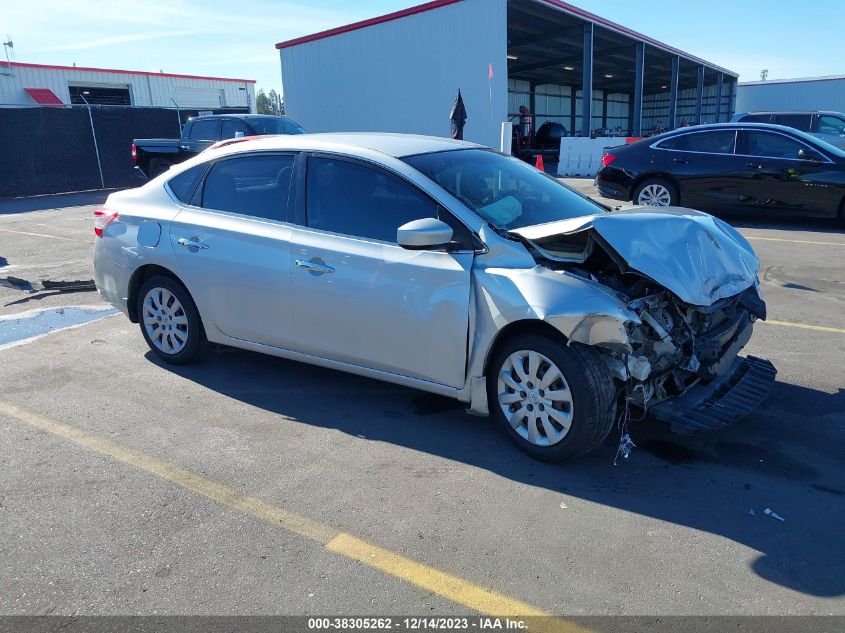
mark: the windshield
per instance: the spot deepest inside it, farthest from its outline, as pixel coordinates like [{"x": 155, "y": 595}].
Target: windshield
[
  {"x": 505, "y": 191},
  {"x": 275, "y": 126}
]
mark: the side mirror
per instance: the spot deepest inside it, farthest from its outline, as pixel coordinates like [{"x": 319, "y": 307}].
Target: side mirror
[
  {"x": 423, "y": 234},
  {"x": 810, "y": 154}
]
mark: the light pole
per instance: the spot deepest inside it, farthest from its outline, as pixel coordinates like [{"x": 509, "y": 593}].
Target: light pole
[{"x": 94, "y": 135}]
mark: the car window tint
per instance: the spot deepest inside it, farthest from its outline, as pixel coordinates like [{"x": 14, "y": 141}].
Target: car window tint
[
  {"x": 771, "y": 145},
  {"x": 354, "y": 199},
  {"x": 252, "y": 185},
  {"x": 828, "y": 124},
  {"x": 230, "y": 127},
  {"x": 717, "y": 142},
  {"x": 798, "y": 121},
  {"x": 184, "y": 184},
  {"x": 205, "y": 130}
]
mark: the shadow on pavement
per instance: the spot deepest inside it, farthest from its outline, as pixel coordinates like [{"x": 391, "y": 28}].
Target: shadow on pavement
[
  {"x": 55, "y": 201},
  {"x": 787, "y": 456}
]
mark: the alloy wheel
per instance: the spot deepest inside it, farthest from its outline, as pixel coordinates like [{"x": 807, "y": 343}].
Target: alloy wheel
[
  {"x": 535, "y": 397},
  {"x": 655, "y": 195},
  {"x": 165, "y": 321}
]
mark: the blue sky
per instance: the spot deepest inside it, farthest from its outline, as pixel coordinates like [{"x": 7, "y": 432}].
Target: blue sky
[{"x": 236, "y": 39}]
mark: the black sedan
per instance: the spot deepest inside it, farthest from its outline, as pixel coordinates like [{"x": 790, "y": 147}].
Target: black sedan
[{"x": 729, "y": 167}]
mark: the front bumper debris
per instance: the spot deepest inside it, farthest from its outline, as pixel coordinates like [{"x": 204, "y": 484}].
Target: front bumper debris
[{"x": 715, "y": 405}]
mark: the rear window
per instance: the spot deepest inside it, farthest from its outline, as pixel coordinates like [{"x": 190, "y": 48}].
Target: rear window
[
  {"x": 798, "y": 121},
  {"x": 716, "y": 142},
  {"x": 184, "y": 185},
  {"x": 205, "y": 130},
  {"x": 755, "y": 118},
  {"x": 275, "y": 126}
]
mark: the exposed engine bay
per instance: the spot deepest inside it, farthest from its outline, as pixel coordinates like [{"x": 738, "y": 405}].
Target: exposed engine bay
[{"x": 676, "y": 344}]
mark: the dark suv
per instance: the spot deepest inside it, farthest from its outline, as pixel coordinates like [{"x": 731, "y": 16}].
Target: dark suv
[{"x": 828, "y": 126}]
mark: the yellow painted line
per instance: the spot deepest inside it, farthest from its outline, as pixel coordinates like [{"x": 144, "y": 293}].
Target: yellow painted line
[
  {"x": 805, "y": 326},
  {"x": 432, "y": 580},
  {"x": 55, "y": 237},
  {"x": 437, "y": 582},
  {"x": 782, "y": 239}
]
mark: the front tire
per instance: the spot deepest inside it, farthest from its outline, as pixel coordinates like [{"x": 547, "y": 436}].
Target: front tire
[
  {"x": 170, "y": 321},
  {"x": 656, "y": 192},
  {"x": 554, "y": 400}
]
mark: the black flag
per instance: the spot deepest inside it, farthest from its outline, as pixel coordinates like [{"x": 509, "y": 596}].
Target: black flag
[{"x": 458, "y": 117}]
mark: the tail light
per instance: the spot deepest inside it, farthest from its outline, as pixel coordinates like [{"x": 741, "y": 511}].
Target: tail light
[
  {"x": 102, "y": 218},
  {"x": 134, "y": 153},
  {"x": 607, "y": 159}
]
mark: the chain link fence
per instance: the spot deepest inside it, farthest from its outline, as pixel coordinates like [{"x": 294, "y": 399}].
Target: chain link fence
[{"x": 58, "y": 149}]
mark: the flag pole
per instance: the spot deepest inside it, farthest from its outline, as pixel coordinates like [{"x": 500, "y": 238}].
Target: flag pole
[{"x": 490, "y": 86}]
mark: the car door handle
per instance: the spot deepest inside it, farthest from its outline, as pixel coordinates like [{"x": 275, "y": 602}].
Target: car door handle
[
  {"x": 184, "y": 147},
  {"x": 314, "y": 267},
  {"x": 680, "y": 161},
  {"x": 754, "y": 165},
  {"x": 194, "y": 242}
]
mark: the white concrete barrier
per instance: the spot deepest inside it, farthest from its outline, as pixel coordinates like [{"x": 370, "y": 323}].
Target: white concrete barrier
[{"x": 581, "y": 156}]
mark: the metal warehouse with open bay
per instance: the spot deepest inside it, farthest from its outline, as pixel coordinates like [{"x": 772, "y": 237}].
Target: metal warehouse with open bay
[{"x": 401, "y": 73}]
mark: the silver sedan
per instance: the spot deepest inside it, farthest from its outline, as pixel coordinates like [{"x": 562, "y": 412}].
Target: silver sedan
[{"x": 444, "y": 266}]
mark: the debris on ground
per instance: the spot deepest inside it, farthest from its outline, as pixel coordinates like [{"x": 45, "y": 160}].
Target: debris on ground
[{"x": 76, "y": 285}]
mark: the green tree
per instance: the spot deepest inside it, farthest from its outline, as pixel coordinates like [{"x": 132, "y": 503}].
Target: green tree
[
  {"x": 263, "y": 104},
  {"x": 277, "y": 102}
]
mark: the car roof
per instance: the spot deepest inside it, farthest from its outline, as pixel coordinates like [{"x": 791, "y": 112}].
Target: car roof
[
  {"x": 788, "y": 112},
  {"x": 395, "y": 145},
  {"x": 734, "y": 125},
  {"x": 239, "y": 115}
]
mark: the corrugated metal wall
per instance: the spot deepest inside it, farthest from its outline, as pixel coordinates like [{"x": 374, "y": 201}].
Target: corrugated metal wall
[
  {"x": 145, "y": 90},
  {"x": 799, "y": 95},
  {"x": 403, "y": 75}
]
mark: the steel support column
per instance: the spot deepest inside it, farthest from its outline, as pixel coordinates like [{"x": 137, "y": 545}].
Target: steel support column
[
  {"x": 639, "y": 79},
  {"x": 699, "y": 96},
  {"x": 587, "y": 82},
  {"x": 673, "y": 94},
  {"x": 719, "y": 82}
]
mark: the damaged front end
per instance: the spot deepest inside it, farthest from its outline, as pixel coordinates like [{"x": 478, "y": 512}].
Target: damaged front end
[{"x": 689, "y": 285}]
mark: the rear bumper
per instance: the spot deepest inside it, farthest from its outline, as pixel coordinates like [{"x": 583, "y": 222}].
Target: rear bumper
[
  {"x": 707, "y": 407},
  {"x": 609, "y": 183}
]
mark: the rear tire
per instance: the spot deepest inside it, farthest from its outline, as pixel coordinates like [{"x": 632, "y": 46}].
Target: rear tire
[
  {"x": 656, "y": 192},
  {"x": 571, "y": 414},
  {"x": 170, "y": 322}
]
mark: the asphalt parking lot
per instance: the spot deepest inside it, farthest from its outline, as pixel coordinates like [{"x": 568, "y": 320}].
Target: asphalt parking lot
[{"x": 254, "y": 485}]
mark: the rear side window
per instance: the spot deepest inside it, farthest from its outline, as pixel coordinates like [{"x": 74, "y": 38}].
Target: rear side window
[
  {"x": 205, "y": 130},
  {"x": 717, "y": 142},
  {"x": 251, "y": 185},
  {"x": 354, "y": 199},
  {"x": 184, "y": 184},
  {"x": 798, "y": 121}
]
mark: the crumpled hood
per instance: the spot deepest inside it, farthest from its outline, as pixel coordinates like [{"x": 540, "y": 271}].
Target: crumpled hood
[{"x": 696, "y": 256}]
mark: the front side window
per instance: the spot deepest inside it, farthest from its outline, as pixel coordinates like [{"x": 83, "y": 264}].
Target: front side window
[
  {"x": 355, "y": 199},
  {"x": 205, "y": 130},
  {"x": 506, "y": 192},
  {"x": 829, "y": 124},
  {"x": 251, "y": 185},
  {"x": 717, "y": 142},
  {"x": 768, "y": 145},
  {"x": 184, "y": 184}
]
